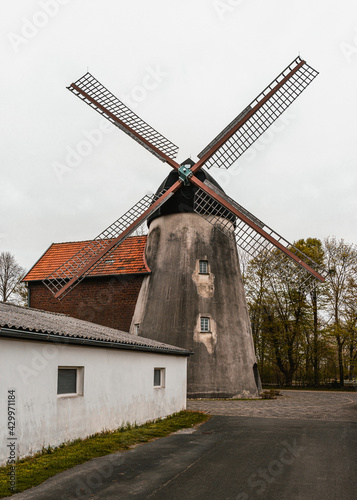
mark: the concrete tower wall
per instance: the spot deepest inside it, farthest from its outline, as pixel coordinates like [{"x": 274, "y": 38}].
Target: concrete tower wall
[{"x": 175, "y": 296}]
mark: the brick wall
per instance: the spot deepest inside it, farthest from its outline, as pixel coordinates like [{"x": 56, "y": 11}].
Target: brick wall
[{"x": 108, "y": 301}]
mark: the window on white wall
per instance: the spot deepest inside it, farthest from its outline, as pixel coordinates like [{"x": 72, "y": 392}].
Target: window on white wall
[
  {"x": 159, "y": 377},
  {"x": 136, "y": 328},
  {"x": 203, "y": 266},
  {"x": 70, "y": 381},
  {"x": 205, "y": 324}
]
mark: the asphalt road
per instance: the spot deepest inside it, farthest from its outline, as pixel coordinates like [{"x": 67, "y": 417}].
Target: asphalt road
[{"x": 228, "y": 457}]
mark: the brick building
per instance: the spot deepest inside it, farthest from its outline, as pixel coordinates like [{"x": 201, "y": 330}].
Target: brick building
[{"x": 107, "y": 296}]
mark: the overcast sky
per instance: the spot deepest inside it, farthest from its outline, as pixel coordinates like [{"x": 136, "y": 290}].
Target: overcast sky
[{"x": 187, "y": 67}]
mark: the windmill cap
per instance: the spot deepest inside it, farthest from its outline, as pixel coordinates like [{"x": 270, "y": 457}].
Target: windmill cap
[
  {"x": 183, "y": 200},
  {"x": 188, "y": 162}
]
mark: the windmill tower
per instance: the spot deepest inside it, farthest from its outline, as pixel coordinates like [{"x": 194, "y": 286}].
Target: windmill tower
[
  {"x": 196, "y": 290},
  {"x": 194, "y": 297}
]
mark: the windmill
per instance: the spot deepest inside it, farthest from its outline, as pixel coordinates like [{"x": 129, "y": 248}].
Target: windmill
[{"x": 199, "y": 270}]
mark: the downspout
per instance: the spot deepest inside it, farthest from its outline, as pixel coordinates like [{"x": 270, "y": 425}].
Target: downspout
[{"x": 28, "y": 294}]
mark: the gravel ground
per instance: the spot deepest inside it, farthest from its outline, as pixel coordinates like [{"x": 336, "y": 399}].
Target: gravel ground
[{"x": 315, "y": 405}]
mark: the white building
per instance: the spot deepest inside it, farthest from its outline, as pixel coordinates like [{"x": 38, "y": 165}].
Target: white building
[{"x": 63, "y": 378}]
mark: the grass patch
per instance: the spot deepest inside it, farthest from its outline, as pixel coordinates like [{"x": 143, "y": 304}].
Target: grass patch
[
  {"x": 34, "y": 470},
  {"x": 271, "y": 394}
]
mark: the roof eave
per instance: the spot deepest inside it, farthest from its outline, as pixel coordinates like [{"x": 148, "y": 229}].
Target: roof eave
[
  {"x": 13, "y": 333},
  {"x": 143, "y": 273},
  {"x": 35, "y": 264}
]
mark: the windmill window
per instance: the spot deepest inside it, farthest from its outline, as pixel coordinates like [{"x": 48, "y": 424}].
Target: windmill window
[
  {"x": 205, "y": 324},
  {"x": 70, "y": 381},
  {"x": 203, "y": 266},
  {"x": 136, "y": 328},
  {"x": 159, "y": 377}
]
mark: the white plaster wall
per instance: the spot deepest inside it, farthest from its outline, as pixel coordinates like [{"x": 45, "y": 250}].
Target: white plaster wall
[{"x": 118, "y": 388}]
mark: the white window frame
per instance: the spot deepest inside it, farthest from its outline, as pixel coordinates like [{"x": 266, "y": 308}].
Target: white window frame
[
  {"x": 136, "y": 328},
  {"x": 162, "y": 372},
  {"x": 79, "y": 381},
  {"x": 205, "y": 324},
  {"x": 203, "y": 263}
]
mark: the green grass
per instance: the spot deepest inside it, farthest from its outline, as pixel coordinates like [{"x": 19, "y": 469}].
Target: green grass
[{"x": 50, "y": 461}]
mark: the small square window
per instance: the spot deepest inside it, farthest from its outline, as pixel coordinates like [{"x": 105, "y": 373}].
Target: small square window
[
  {"x": 70, "y": 381},
  {"x": 203, "y": 266},
  {"x": 205, "y": 326},
  {"x": 159, "y": 377}
]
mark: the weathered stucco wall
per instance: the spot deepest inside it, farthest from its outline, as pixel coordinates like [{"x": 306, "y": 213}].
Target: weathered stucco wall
[
  {"x": 118, "y": 388},
  {"x": 174, "y": 297}
]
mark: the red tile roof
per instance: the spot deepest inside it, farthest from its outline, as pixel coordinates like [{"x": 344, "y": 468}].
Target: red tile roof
[{"x": 127, "y": 258}]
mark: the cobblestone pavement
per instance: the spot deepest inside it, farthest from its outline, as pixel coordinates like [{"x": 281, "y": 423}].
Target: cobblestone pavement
[{"x": 301, "y": 405}]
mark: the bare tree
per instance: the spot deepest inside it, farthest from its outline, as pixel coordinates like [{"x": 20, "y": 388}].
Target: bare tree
[{"x": 11, "y": 273}]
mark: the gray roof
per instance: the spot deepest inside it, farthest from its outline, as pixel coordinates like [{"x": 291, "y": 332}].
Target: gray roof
[{"x": 34, "y": 324}]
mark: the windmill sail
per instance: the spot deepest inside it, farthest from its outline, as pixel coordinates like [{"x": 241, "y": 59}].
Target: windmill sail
[
  {"x": 72, "y": 272},
  {"x": 252, "y": 235},
  {"x": 256, "y": 238},
  {"x": 249, "y": 125},
  {"x": 93, "y": 93}
]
